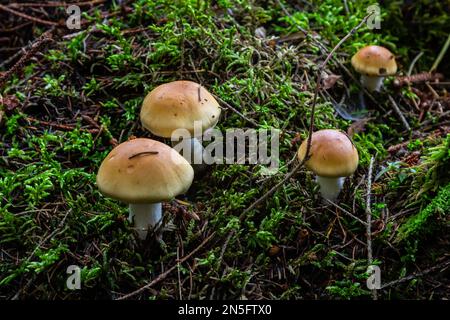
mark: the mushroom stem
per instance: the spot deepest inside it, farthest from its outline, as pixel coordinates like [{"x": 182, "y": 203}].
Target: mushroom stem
[
  {"x": 330, "y": 187},
  {"x": 372, "y": 83},
  {"x": 145, "y": 215},
  {"x": 191, "y": 149}
]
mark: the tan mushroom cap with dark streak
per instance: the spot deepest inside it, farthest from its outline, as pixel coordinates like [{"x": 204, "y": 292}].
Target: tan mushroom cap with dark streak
[
  {"x": 374, "y": 61},
  {"x": 332, "y": 153},
  {"x": 144, "y": 171},
  {"x": 177, "y": 105}
]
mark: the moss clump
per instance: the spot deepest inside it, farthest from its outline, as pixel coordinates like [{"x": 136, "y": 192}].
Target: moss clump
[{"x": 420, "y": 222}]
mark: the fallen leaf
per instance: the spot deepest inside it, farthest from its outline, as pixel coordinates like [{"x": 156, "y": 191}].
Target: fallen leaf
[
  {"x": 288, "y": 38},
  {"x": 329, "y": 81},
  {"x": 357, "y": 127},
  {"x": 10, "y": 102}
]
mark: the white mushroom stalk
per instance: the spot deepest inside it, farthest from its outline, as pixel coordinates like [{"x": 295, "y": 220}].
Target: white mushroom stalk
[
  {"x": 145, "y": 216},
  {"x": 190, "y": 148},
  {"x": 330, "y": 187},
  {"x": 372, "y": 83}
]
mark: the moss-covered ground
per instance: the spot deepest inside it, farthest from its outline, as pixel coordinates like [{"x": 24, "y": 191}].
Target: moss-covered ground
[{"x": 66, "y": 106}]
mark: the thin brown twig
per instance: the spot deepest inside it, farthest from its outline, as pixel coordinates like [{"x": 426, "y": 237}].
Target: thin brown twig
[
  {"x": 179, "y": 274},
  {"x": 60, "y": 126},
  {"x": 35, "y": 47},
  {"x": 348, "y": 35},
  {"x": 253, "y": 122},
  {"x": 14, "y": 56},
  {"x": 90, "y": 121},
  {"x": 9, "y": 49},
  {"x": 15, "y": 28},
  {"x": 399, "y": 113},
  {"x": 56, "y": 4},
  {"x": 28, "y": 17},
  {"x": 222, "y": 252},
  {"x": 346, "y": 212},
  {"x": 416, "y": 274},
  {"x": 274, "y": 188},
  {"x": 369, "y": 222},
  {"x": 163, "y": 275},
  {"x": 417, "y": 78},
  {"x": 147, "y": 153},
  {"x": 134, "y": 30},
  {"x": 17, "y": 54}
]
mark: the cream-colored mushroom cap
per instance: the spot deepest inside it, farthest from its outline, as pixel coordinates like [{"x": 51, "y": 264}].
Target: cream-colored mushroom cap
[
  {"x": 374, "y": 61},
  {"x": 144, "y": 171},
  {"x": 177, "y": 105},
  {"x": 332, "y": 154}
]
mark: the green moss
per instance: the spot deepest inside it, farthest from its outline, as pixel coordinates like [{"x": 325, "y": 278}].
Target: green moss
[
  {"x": 47, "y": 175},
  {"x": 424, "y": 222}
]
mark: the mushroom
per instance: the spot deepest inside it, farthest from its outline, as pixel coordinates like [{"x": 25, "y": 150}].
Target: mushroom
[
  {"x": 143, "y": 172},
  {"x": 332, "y": 158},
  {"x": 182, "y": 106},
  {"x": 374, "y": 63}
]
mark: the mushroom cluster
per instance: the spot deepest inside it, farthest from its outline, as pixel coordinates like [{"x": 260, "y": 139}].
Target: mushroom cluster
[{"x": 143, "y": 172}]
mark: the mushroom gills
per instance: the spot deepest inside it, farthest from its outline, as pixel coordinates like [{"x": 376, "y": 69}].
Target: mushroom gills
[
  {"x": 145, "y": 216},
  {"x": 372, "y": 83},
  {"x": 330, "y": 187}
]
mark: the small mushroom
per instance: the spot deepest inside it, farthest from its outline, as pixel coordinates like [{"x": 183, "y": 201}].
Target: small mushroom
[
  {"x": 374, "y": 63},
  {"x": 181, "y": 105},
  {"x": 143, "y": 172},
  {"x": 333, "y": 157}
]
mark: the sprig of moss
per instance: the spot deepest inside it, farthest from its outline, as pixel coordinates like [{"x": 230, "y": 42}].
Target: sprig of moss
[{"x": 421, "y": 223}]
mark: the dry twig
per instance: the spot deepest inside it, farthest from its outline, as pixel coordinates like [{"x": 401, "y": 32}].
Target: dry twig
[
  {"x": 417, "y": 78},
  {"x": 27, "y": 17},
  {"x": 60, "y": 126},
  {"x": 415, "y": 275},
  {"x": 35, "y": 47},
  {"x": 253, "y": 122},
  {"x": 56, "y": 4},
  {"x": 399, "y": 113},
  {"x": 369, "y": 222}
]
